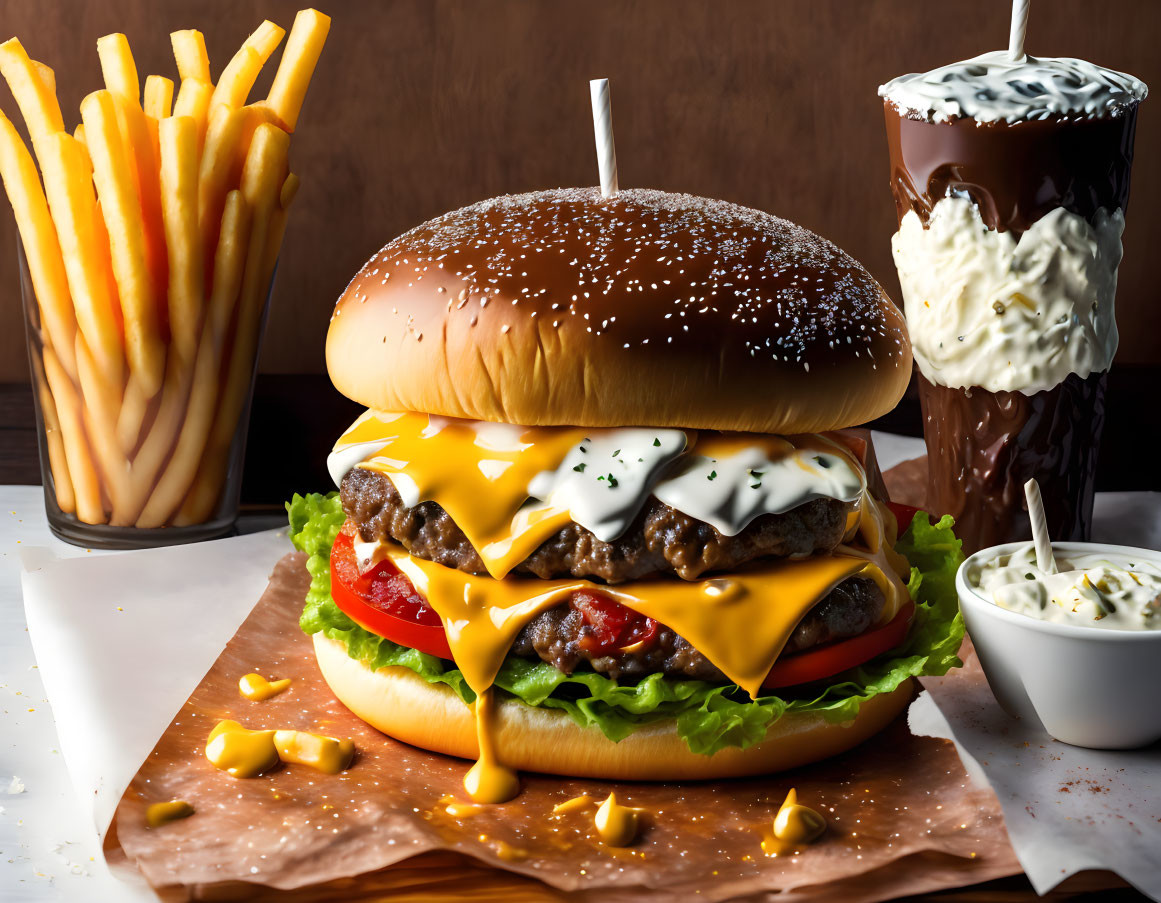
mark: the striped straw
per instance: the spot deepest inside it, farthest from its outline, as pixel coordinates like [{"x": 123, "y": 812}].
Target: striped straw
[
  {"x": 603, "y": 130},
  {"x": 1044, "y": 560},
  {"x": 1019, "y": 27}
]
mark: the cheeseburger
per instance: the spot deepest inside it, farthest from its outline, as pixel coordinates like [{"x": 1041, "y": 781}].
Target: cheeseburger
[{"x": 598, "y": 519}]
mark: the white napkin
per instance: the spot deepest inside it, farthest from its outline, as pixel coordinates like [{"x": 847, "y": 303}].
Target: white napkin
[
  {"x": 1067, "y": 809},
  {"x": 123, "y": 640}
]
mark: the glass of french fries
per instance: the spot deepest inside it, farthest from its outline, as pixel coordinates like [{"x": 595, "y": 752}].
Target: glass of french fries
[{"x": 149, "y": 238}]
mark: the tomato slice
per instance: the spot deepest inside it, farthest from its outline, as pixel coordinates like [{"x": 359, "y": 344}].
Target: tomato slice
[
  {"x": 904, "y": 514},
  {"x": 833, "y": 658},
  {"x": 384, "y": 601},
  {"x": 611, "y": 625}
]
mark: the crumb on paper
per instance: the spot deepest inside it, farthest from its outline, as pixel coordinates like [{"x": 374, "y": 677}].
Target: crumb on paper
[{"x": 15, "y": 786}]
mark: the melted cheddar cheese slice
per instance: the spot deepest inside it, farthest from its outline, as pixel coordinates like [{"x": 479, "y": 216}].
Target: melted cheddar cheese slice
[
  {"x": 510, "y": 488},
  {"x": 740, "y": 622}
]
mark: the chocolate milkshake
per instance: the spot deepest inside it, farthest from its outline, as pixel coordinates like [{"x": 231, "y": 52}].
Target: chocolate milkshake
[{"x": 1011, "y": 179}]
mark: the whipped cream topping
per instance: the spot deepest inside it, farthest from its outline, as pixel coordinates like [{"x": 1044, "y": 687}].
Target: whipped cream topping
[
  {"x": 1112, "y": 591},
  {"x": 993, "y": 87},
  {"x": 985, "y": 309}
]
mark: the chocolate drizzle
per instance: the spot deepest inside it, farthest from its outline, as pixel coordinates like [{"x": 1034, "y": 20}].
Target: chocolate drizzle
[
  {"x": 983, "y": 446},
  {"x": 1015, "y": 173}
]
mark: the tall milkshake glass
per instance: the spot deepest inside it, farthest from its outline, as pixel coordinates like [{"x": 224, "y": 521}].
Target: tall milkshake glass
[{"x": 1011, "y": 180}]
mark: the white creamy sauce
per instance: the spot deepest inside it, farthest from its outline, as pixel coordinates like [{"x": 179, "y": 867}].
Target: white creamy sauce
[
  {"x": 604, "y": 481},
  {"x": 342, "y": 460},
  {"x": 993, "y": 87},
  {"x": 730, "y": 492},
  {"x": 985, "y": 309},
  {"x": 1117, "y": 592}
]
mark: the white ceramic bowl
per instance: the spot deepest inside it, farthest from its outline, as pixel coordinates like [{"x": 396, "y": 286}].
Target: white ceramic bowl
[{"x": 1088, "y": 686}]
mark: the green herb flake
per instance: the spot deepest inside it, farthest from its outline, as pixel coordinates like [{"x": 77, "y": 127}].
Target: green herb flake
[
  {"x": 713, "y": 474},
  {"x": 657, "y": 443},
  {"x": 580, "y": 468}
]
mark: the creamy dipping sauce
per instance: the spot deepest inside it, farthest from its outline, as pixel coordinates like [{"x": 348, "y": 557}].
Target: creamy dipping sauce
[{"x": 1114, "y": 591}]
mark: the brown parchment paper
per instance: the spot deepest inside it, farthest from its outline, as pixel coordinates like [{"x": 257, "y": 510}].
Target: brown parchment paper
[{"x": 904, "y": 817}]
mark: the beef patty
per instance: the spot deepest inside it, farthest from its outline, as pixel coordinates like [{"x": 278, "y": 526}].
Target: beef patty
[
  {"x": 555, "y": 636},
  {"x": 661, "y": 540}
]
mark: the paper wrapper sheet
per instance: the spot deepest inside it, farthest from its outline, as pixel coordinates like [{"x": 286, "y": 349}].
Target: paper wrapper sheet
[
  {"x": 904, "y": 817},
  {"x": 1068, "y": 809}
]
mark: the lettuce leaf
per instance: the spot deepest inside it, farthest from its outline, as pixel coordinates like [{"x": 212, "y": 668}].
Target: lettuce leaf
[{"x": 709, "y": 716}]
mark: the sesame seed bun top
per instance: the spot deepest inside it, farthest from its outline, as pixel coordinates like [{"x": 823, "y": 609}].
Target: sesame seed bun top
[{"x": 647, "y": 309}]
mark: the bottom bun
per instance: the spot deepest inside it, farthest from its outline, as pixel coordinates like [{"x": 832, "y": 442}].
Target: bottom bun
[{"x": 400, "y": 703}]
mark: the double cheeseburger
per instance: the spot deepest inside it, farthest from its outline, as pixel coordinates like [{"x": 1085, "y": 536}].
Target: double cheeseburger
[{"x": 598, "y": 519}]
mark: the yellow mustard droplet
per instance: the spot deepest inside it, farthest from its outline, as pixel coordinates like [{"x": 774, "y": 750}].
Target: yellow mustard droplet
[
  {"x": 240, "y": 752},
  {"x": 160, "y": 814},
  {"x": 509, "y": 853},
  {"x": 795, "y": 825},
  {"x": 457, "y": 809},
  {"x": 616, "y": 824},
  {"x": 257, "y": 688},
  {"x": 577, "y": 802},
  {"x": 324, "y": 753}
]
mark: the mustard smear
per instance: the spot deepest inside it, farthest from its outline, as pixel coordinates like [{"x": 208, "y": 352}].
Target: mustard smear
[
  {"x": 326, "y": 754},
  {"x": 257, "y": 688},
  {"x": 240, "y": 752},
  {"x": 160, "y": 814}
]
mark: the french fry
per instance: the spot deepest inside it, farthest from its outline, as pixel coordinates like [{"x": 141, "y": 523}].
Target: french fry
[
  {"x": 303, "y": 47},
  {"x": 193, "y": 100},
  {"x": 79, "y": 134},
  {"x": 102, "y": 398},
  {"x": 219, "y": 170},
  {"x": 120, "y": 74},
  {"x": 41, "y": 247},
  {"x": 134, "y": 406},
  {"x": 38, "y": 104},
  {"x": 73, "y": 204},
  {"x": 158, "y": 444},
  {"x": 46, "y": 75},
  {"x": 227, "y": 143},
  {"x": 189, "y": 51},
  {"x": 242, "y": 71},
  {"x": 179, "y": 205},
  {"x": 82, "y": 473},
  {"x": 62, "y": 483},
  {"x": 278, "y": 221},
  {"x": 114, "y": 179},
  {"x": 263, "y": 176},
  {"x": 158, "y": 96},
  {"x": 229, "y": 262},
  {"x": 118, "y": 68}
]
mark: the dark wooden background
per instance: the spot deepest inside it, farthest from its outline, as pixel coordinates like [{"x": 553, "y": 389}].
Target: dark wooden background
[{"x": 420, "y": 106}]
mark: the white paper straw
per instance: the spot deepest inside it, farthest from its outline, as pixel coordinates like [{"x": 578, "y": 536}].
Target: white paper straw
[
  {"x": 603, "y": 131},
  {"x": 1044, "y": 560},
  {"x": 1019, "y": 27}
]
